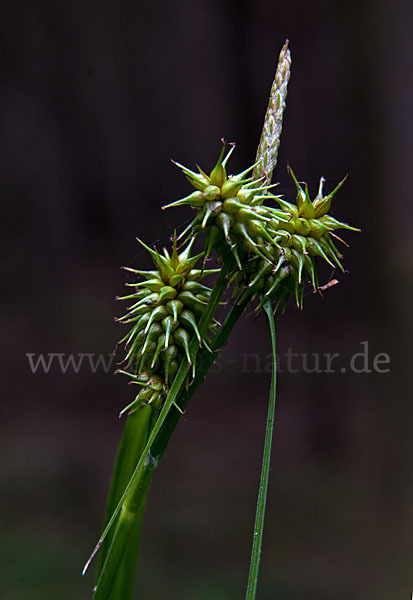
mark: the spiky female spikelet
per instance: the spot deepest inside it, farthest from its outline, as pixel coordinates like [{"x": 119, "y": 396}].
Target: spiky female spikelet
[
  {"x": 272, "y": 247},
  {"x": 306, "y": 236},
  {"x": 165, "y": 312},
  {"x": 230, "y": 210}
]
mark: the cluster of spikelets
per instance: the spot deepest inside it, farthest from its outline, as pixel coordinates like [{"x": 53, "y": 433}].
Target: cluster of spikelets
[
  {"x": 165, "y": 312},
  {"x": 271, "y": 246}
]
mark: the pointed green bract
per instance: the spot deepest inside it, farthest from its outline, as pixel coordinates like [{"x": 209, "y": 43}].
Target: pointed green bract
[{"x": 223, "y": 203}]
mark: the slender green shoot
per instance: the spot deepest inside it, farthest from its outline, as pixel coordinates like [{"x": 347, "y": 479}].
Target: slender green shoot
[{"x": 262, "y": 494}]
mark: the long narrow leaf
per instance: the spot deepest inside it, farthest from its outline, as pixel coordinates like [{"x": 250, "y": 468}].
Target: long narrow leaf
[
  {"x": 134, "y": 438},
  {"x": 129, "y": 515},
  {"x": 125, "y": 577}
]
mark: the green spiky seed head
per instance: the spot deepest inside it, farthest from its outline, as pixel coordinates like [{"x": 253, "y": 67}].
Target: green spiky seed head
[
  {"x": 229, "y": 208},
  {"x": 305, "y": 235},
  {"x": 164, "y": 312}
]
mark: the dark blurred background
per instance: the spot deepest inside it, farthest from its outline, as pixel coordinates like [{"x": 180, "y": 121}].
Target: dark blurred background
[{"x": 96, "y": 97}]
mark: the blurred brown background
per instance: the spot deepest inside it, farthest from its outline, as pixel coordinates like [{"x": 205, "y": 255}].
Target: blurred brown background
[{"x": 96, "y": 97}]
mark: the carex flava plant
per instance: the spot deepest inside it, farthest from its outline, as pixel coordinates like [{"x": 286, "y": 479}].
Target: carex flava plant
[{"x": 267, "y": 250}]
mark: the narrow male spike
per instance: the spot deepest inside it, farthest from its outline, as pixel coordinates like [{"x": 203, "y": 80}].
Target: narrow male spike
[{"x": 271, "y": 133}]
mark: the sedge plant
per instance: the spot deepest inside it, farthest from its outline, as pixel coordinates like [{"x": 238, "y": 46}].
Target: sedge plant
[{"x": 267, "y": 249}]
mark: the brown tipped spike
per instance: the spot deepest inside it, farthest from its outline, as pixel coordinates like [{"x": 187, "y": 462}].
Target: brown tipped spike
[{"x": 334, "y": 235}]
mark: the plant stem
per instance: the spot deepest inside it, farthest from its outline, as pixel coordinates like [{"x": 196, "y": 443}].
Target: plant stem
[
  {"x": 205, "y": 361},
  {"x": 262, "y": 494}
]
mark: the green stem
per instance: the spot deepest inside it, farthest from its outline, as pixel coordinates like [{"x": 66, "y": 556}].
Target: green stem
[
  {"x": 262, "y": 494},
  {"x": 205, "y": 362}
]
